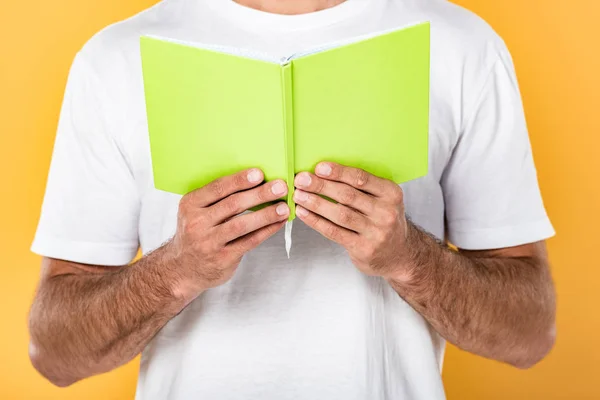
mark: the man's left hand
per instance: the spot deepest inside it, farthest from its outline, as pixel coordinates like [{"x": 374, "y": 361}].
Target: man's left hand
[
  {"x": 497, "y": 303},
  {"x": 368, "y": 219}
]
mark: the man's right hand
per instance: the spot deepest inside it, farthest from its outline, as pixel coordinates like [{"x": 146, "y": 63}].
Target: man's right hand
[
  {"x": 212, "y": 236},
  {"x": 119, "y": 310}
]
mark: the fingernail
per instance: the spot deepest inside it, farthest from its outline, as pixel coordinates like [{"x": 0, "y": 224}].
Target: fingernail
[
  {"x": 282, "y": 209},
  {"x": 303, "y": 179},
  {"x": 300, "y": 195},
  {"x": 278, "y": 189},
  {"x": 301, "y": 211},
  {"x": 323, "y": 169},
  {"x": 254, "y": 176}
]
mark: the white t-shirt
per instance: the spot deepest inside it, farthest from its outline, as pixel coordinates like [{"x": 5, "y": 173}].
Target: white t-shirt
[{"x": 312, "y": 326}]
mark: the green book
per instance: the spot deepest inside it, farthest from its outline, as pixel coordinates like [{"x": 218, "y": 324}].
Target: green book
[{"x": 213, "y": 110}]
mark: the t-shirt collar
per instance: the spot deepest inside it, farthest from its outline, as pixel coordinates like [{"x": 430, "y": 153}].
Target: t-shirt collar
[{"x": 253, "y": 19}]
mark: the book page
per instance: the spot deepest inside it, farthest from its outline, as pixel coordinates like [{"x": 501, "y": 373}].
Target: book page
[
  {"x": 234, "y": 51},
  {"x": 346, "y": 42}
]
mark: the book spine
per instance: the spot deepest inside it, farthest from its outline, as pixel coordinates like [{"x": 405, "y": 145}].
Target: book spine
[{"x": 288, "y": 121}]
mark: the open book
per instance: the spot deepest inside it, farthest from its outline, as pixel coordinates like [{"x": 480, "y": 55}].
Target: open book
[{"x": 213, "y": 110}]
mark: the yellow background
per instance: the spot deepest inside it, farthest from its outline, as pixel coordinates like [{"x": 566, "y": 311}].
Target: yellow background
[{"x": 556, "y": 47}]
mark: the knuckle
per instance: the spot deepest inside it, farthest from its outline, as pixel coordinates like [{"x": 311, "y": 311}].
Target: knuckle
[
  {"x": 319, "y": 184},
  {"x": 184, "y": 203},
  {"x": 263, "y": 194},
  {"x": 271, "y": 216},
  {"x": 240, "y": 180},
  {"x": 263, "y": 217},
  {"x": 205, "y": 246},
  {"x": 188, "y": 229},
  {"x": 313, "y": 201},
  {"x": 191, "y": 226},
  {"x": 238, "y": 226},
  {"x": 231, "y": 206},
  {"x": 390, "y": 217},
  {"x": 348, "y": 196},
  {"x": 382, "y": 236},
  {"x": 331, "y": 231},
  {"x": 369, "y": 251},
  {"x": 345, "y": 216},
  {"x": 361, "y": 177},
  {"x": 201, "y": 220},
  {"x": 254, "y": 240},
  {"x": 217, "y": 188},
  {"x": 337, "y": 170},
  {"x": 227, "y": 255},
  {"x": 210, "y": 214},
  {"x": 398, "y": 195}
]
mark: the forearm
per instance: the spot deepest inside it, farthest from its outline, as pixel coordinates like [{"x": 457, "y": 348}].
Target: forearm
[
  {"x": 88, "y": 323},
  {"x": 501, "y": 308},
  {"x": 86, "y": 320}
]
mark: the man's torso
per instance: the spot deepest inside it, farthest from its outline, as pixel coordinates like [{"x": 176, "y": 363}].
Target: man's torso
[{"x": 311, "y": 324}]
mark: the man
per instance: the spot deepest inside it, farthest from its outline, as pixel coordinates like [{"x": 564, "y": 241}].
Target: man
[{"x": 363, "y": 306}]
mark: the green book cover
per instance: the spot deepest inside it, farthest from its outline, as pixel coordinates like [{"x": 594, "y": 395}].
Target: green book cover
[{"x": 213, "y": 111}]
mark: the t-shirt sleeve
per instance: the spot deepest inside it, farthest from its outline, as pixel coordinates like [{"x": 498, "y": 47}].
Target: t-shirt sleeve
[
  {"x": 490, "y": 184},
  {"x": 90, "y": 208}
]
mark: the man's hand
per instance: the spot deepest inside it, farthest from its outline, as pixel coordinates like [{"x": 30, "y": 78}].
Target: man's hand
[
  {"x": 496, "y": 303},
  {"x": 212, "y": 236},
  {"x": 368, "y": 219},
  {"x": 119, "y": 310}
]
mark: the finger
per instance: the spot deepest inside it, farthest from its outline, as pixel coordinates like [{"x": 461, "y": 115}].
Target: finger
[
  {"x": 327, "y": 228},
  {"x": 355, "y": 177},
  {"x": 340, "y": 192},
  {"x": 247, "y": 223},
  {"x": 336, "y": 213},
  {"x": 239, "y": 202},
  {"x": 246, "y": 243},
  {"x": 225, "y": 186}
]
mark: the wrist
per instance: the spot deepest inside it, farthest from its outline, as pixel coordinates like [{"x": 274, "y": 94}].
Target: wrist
[
  {"x": 411, "y": 266},
  {"x": 172, "y": 267}
]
